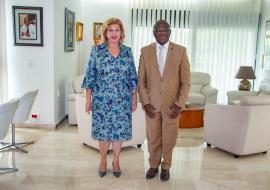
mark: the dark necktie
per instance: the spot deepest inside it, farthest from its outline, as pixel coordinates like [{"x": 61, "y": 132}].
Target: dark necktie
[{"x": 27, "y": 29}]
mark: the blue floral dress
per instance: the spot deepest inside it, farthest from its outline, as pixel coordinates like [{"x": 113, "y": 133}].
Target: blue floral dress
[{"x": 112, "y": 80}]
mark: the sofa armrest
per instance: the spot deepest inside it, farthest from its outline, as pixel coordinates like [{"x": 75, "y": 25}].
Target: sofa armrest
[
  {"x": 70, "y": 88},
  {"x": 225, "y": 126},
  {"x": 210, "y": 94},
  {"x": 235, "y": 96}
]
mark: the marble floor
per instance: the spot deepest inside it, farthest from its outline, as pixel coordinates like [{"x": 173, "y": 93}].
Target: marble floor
[{"x": 57, "y": 161}]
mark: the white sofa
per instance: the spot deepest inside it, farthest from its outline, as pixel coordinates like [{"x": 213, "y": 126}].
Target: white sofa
[
  {"x": 85, "y": 124},
  {"x": 201, "y": 92},
  {"x": 74, "y": 89},
  {"x": 264, "y": 89},
  {"x": 242, "y": 129}
]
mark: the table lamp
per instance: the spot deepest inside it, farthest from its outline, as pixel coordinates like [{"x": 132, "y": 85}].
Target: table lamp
[{"x": 245, "y": 72}]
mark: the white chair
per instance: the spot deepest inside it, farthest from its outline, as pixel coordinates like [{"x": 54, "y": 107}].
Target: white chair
[
  {"x": 22, "y": 113},
  {"x": 201, "y": 92},
  {"x": 235, "y": 96},
  {"x": 7, "y": 112},
  {"x": 242, "y": 129}
]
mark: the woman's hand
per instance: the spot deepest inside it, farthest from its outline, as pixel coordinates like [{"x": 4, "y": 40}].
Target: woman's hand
[
  {"x": 134, "y": 101},
  {"x": 88, "y": 106}
]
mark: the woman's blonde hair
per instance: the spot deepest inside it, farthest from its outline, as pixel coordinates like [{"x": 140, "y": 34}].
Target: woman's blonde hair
[{"x": 105, "y": 28}]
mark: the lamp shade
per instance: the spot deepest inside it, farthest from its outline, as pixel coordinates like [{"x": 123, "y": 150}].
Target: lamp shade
[{"x": 245, "y": 72}]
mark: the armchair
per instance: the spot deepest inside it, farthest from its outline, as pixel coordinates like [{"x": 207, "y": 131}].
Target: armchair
[
  {"x": 74, "y": 89},
  {"x": 264, "y": 89},
  {"x": 200, "y": 90},
  {"x": 240, "y": 130}
]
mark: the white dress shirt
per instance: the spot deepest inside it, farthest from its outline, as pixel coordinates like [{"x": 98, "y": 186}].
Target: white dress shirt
[
  {"x": 162, "y": 57},
  {"x": 28, "y": 32}
]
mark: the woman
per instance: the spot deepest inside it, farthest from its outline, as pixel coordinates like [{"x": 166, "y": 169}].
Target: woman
[{"x": 111, "y": 85}]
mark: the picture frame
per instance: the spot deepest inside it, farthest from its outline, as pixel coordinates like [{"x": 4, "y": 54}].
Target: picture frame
[
  {"x": 79, "y": 31},
  {"x": 267, "y": 37},
  {"x": 266, "y": 62},
  {"x": 69, "y": 30},
  {"x": 97, "y": 32},
  {"x": 27, "y": 25}
]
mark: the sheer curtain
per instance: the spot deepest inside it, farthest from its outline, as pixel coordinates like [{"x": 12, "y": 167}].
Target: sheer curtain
[
  {"x": 3, "y": 63},
  {"x": 219, "y": 35}
]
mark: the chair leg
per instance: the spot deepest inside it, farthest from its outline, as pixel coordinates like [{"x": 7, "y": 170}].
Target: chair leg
[{"x": 13, "y": 144}]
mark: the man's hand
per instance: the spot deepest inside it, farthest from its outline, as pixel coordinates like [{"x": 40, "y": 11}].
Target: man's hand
[
  {"x": 150, "y": 110},
  {"x": 174, "y": 111}
]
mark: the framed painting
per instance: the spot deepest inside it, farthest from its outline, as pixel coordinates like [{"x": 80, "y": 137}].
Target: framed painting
[
  {"x": 266, "y": 62},
  {"x": 267, "y": 37},
  {"x": 79, "y": 31},
  {"x": 69, "y": 30},
  {"x": 97, "y": 32},
  {"x": 27, "y": 26}
]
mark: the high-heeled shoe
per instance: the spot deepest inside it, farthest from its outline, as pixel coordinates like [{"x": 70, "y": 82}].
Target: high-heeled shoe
[
  {"x": 102, "y": 173},
  {"x": 116, "y": 173}
]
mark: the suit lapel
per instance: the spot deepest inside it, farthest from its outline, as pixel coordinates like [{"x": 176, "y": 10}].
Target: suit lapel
[
  {"x": 170, "y": 48},
  {"x": 153, "y": 53}
]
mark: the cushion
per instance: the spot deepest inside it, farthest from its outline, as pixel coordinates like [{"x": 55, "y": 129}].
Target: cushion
[
  {"x": 196, "y": 88},
  {"x": 200, "y": 78},
  {"x": 254, "y": 100},
  {"x": 196, "y": 98},
  {"x": 77, "y": 83}
]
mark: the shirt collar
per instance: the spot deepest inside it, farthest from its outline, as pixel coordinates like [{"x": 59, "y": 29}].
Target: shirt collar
[{"x": 165, "y": 45}]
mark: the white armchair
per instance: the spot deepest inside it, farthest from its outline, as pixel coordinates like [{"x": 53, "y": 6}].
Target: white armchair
[
  {"x": 264, "y": 89},
  {"x": 85, "y": 125},
  {"x": 242, "y": 129},
  {"x": 200, "y": 90},
  {"x": 74, "y": 89}
]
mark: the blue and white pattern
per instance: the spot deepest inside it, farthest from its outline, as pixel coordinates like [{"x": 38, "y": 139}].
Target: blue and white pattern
[{"x": 112, "y": 80}]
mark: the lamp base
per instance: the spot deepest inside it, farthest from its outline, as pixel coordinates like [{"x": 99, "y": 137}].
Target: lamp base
[{"x": 244, "y": 85}]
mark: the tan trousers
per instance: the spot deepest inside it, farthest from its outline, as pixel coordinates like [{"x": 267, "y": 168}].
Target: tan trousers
[{"x": 161, "y": 134}]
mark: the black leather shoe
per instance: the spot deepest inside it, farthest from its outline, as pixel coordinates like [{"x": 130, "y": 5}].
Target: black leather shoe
[
  {"x": 102, "y": 173},
  {"x": 151, "y": 173},
  {"x": 164, "y": 175}
]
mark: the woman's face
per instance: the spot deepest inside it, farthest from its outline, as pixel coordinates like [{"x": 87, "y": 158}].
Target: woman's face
[{"x": 114, "y": 33}]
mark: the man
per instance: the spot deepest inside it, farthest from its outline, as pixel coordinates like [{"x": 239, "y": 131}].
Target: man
[
  {"x": 164, "y": 82},
  {"x": 28, "y": 30}
]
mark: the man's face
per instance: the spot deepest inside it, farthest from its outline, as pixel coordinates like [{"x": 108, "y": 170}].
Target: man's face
[
  {"x": 26, "y": 21},
  {"x": 162, "y": 33}
]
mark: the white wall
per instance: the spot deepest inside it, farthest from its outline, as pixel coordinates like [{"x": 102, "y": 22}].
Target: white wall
[
  {"x": 31, "y": 67},
  {"x": 99, "y": 11},
  {"x": 66, "y": 64}
]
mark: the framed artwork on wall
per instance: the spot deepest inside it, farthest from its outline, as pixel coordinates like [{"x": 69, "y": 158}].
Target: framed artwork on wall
[
  {"x": 69, "y": 30},
  {"x": 97, "y": 32},
  {"x": 79, "y": 31},
  {"x": 267, "y": 37},
  {"x": 27, "y": 26},
  {"x": 266, "y": 62}
]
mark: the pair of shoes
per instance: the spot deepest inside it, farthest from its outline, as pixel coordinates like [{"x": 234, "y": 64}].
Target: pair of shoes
[
  {"x": 151, "y": 173},
  {"x": 102, "y": 173},
  {"x": 116, "y": 173},
  {"x": 164, "y": 175}
]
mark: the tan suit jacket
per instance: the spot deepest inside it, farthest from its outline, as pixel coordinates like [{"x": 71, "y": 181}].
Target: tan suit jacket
[{"x": 173, "y": 86}]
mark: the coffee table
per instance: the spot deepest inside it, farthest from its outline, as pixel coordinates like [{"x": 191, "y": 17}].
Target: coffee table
[{"x": 191, "y": 117}]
